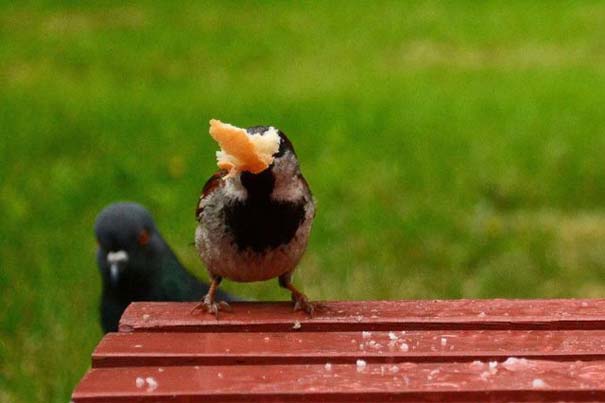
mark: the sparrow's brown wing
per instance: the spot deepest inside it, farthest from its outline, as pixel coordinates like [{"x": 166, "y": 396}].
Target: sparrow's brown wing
[
  {"x": 305, "y": 184},
  {"x": 309, "y": 196},
  {"x": 211, "y": 185}
]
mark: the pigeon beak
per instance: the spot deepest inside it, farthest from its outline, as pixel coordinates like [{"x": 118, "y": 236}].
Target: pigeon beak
[
  {"x": 114, "y": 274},
  {"x": 117, "y": 261}
]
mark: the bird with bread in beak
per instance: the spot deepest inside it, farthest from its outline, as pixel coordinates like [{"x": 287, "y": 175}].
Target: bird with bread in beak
[{"x": 255, "y": 214}]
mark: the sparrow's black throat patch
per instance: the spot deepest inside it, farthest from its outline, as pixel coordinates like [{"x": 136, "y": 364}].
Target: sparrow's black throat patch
[{"x": 259, "y": 223}]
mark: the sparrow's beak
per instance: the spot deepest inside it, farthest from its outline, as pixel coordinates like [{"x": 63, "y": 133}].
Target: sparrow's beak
[{"x": 117, "y": 261}]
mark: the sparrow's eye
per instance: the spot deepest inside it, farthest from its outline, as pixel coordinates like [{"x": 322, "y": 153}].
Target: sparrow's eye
[{"x": 143, "y": 237}]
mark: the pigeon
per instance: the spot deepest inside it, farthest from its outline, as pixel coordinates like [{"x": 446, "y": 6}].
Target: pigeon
[{"x": 136, "y": 263}]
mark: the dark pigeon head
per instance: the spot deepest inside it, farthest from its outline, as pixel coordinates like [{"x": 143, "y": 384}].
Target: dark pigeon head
[{"x": 128, "y": 241}]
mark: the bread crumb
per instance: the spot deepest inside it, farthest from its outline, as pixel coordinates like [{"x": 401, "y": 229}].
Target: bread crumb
[
  {"x": 513, "y": 363},
  {"x": 241, "y": 151},
  {"x": 152, "y": 384}
]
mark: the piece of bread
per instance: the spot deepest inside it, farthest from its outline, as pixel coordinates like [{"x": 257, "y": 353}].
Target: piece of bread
[{"x": 241, "y": 151}]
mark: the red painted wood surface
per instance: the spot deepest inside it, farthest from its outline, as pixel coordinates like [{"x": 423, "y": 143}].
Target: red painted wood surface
[
  {"x": 407, "y": 381},
  {"x": 373, "y": 315},
  {"x": 464, "y": 350},
  {"x": 141, "y": 349}
]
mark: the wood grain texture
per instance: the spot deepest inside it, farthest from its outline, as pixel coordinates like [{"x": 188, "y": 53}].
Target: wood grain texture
[
  {"x": 372, "y": 315},
  {"x": 463, "y": 350},
  {"x": 142, "y": 349},
  {"x": 536, "y": 380}
]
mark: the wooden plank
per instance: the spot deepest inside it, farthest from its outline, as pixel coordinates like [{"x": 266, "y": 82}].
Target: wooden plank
[
  {"x": 372, "y": 315},
  {"x": 178, "y": 349},
  {"x": 521, "y": 381}
]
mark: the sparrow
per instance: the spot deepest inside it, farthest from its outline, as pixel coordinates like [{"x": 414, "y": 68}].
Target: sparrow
[
  {"x": 136, "y": 264},
  {"x": 254, "y": 215}
]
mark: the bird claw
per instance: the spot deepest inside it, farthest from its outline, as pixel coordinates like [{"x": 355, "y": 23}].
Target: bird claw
[
  {"x": 301, "y": 303},
  {"x": 225, "y": 306},
  {"x": 209, "y": 305}
]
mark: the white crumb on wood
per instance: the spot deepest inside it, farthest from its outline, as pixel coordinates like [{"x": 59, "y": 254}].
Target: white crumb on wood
[
  {"x": 296, "y": 325},
  {"x": 366, "y": 335},
  {"x": 152, "y": 384},
  {"x": 493, "y": 367},
  {"x": 140, "y": 382},
  {"x": 404, "y": 347},
  {"x": 514, "y": 364},
  {"x": 538, "y": 383}
]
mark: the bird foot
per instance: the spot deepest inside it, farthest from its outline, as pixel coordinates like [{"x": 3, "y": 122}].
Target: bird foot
[
  {"x": 301, "y": 303},
  {"x": 211, "y": 306}
]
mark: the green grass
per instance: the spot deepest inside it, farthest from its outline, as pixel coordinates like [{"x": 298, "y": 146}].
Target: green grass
[{"x": 455, "y": 149}]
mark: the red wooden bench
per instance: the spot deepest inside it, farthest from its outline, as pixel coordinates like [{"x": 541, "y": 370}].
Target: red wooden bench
[{"x": 463, "y": 350}]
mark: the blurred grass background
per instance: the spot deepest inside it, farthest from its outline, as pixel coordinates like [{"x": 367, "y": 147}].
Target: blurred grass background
[{"x": 455, "y": 149}]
